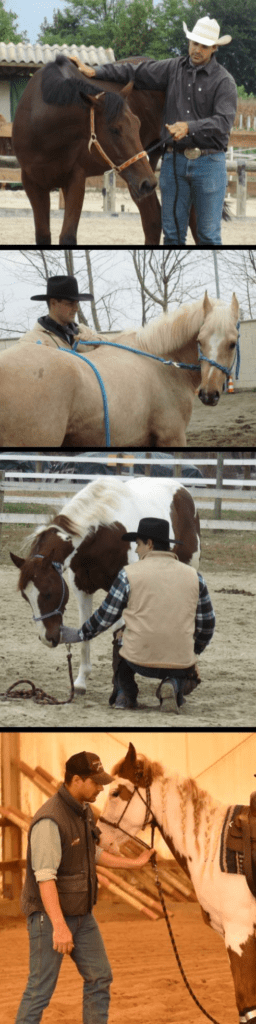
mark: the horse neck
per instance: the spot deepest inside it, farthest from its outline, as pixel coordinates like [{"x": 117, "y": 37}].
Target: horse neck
[
  {"x": 187, "y": 353},
  {"x": 187, "y": 817}
]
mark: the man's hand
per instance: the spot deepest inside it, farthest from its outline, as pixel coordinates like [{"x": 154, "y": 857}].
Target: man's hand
[
  {"x": 85, "y": 68},
  {"x": 178, "y": 130},
  {"x": 70, "y": 636},
  {"x": 144, "y": 857},
  {"x": 62, "y": 938}
]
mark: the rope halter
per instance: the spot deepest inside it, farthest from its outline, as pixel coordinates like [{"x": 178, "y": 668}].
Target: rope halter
[{"x": 57, "y": 611}]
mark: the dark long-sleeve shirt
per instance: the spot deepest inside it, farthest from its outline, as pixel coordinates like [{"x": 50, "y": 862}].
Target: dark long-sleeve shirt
[
  {"x": 205, "y": 97},
  {"x": 117, "y": 599}
]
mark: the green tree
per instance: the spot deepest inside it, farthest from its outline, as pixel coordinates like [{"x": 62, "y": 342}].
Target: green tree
[
  {"x": 8, "y": 30},
  {"x": 236, "y": 18}
]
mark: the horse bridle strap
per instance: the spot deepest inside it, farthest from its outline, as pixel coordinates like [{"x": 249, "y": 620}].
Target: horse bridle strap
[
  {"x": 94, "y": 141},
  {"x": 48, "y": 615},
  {"x": 147, "y": 820}
]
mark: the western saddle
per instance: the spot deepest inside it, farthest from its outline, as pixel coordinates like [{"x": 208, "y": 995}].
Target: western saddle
[{"x": 242, "y": 839}]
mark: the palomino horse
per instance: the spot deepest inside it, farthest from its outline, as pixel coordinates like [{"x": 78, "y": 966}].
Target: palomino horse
[
  {"x": 194, "y": 827},
  {"x": 149, "y": 401},
  {"x": 86, "y": 538},
  {"x": 59, "y": 118}
]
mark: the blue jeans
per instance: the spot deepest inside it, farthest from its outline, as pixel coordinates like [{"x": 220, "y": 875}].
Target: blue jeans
[
  {"x": 202, "y": 183},
  {"x": 89, "y": 956}
]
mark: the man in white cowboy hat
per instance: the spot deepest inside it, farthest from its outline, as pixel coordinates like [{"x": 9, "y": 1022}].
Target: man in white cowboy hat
[
  {"x": 199, "y": 112},
  {"x": 168, "y": 615},
  {"x": 58, "y": 328}
]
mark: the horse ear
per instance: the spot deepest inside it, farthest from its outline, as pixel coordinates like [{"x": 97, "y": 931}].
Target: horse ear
[
  {"x": 129, "y": 762},
  {"x": 235, "y": 306},
  {"x": 207, "y": 304},
  {"x": 19, "y": 562},
  {"x": 127, "y": 89}
]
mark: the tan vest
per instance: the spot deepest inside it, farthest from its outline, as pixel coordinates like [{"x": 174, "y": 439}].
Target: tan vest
[
  {"x": 39, "y": 333},
  {"x": 160, "y": 615}
]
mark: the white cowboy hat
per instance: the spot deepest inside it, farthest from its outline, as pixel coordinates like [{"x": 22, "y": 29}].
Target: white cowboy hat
[{"x": 206, "y": 31}]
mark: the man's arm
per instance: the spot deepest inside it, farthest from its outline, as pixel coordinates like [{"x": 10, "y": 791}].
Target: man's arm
[
  {"x": 205, "y": 618},
  {"x": 109, "y": 612},
  {"x": 45, "y": 860},
  {"x": 62, "y": 936},
  {"x": 109, "y": 860}
]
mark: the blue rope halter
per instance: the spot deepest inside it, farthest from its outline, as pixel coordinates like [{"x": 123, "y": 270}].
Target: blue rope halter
[{"x": 147, "y": 355}]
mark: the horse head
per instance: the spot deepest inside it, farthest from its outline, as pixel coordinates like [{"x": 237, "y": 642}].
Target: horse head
[
  {"x": 217, "y": 341},
  {"x": 133, "y": 773},
  {"x": 119, "y": 144},
  {"x": 42, "y": 584}
]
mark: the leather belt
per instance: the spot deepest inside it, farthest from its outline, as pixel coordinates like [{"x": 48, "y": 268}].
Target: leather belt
[{"x": 193, "y": 154}]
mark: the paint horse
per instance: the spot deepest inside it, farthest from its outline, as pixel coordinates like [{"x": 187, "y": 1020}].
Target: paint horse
[
  {"x": 149, "y": 396},
  {"x": 86, "y": 538},
  {"x": 62, "y": 126},
  {"x": 192, "y": 824}
]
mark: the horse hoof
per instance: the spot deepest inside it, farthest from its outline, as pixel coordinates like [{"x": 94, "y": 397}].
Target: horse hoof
[{"x": 79, "y": 688}]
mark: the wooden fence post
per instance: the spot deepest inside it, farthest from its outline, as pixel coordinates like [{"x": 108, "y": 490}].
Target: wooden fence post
[
  {"x": 2, "y": 479},
  {"x": 219, "y": 481}
]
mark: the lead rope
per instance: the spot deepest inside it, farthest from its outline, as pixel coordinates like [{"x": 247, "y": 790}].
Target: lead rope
[
  {"x": 165, "y": 912},
  {"x": 38, "y": 695}
]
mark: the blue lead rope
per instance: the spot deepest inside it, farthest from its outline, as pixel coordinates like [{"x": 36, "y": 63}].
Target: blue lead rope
[{"x": 148, "y": 355}]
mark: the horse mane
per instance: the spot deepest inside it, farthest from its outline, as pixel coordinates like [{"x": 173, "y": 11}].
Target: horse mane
[
  {"x": 82, "y": 516},
  {"x": 172, "y": 330},
  {"x": 61, "y": 85}
]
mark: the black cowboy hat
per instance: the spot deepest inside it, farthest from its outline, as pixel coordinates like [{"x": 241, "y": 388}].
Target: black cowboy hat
[
  {"x": 62, "y": 288},
  {"x": 155, "y": 529}
]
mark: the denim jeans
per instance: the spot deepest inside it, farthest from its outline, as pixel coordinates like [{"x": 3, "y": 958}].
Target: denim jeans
[
  {"x": 202, "y": 183},
  {"x": 89, "y": 956},
  {"x": 126, "y": 686}
]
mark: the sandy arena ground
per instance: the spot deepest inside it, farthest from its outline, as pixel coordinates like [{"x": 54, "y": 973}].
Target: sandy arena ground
[
  {"x": 224, "y": 698},
  {"x": 231, "y": 424},
  {"x": 147, "y": 983},
  {"x": 17, "y": 224}
]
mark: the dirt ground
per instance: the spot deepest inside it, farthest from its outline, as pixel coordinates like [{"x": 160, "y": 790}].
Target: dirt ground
[
  {"x": 232, "y": 424},
  {"x": 96, "y": 229},
  {"x": 147, "y": 983},
  {"x": 224, "y": 698}
]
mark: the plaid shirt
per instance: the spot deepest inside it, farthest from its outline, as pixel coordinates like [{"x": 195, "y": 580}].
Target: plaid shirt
[{"x": 117, "y": 599}]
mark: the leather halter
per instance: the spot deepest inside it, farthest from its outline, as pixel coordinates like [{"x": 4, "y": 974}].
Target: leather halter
[
  {"x": 147, "y": 820},
  {"x": 94, "y": 141},
  {"x": 48, "y": 615}
]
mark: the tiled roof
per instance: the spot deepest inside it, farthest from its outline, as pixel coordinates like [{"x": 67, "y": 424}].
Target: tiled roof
[{"x": 25, "y": 53}]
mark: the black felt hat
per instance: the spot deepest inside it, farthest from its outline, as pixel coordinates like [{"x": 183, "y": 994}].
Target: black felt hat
[
  {"x": 155, "y": 529},
  {"x": 62, "y": 288}
]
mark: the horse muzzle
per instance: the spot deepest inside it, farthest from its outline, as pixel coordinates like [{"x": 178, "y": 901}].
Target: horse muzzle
[{"x": 209, "y": 397}]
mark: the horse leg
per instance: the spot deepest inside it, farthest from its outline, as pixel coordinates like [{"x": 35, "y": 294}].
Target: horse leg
[
  {"x": 40, "y": 202},
  {"x": 85, "y": 610},
  {"x": 243, "y": 969},
  {"x": 74, "y": 197}
]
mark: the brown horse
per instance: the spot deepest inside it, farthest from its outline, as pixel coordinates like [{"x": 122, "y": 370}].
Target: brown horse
[
  {"x": 53, "y": 398},
  {"x": 65, "y": 127}
]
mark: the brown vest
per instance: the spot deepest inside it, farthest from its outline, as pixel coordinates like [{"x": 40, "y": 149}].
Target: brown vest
[
  {"x": 76, "y": 877},
  {"x": 161, "y": 611}
]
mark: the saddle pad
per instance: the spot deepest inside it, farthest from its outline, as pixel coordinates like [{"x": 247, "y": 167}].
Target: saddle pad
[{"x": 230, "y": 860}]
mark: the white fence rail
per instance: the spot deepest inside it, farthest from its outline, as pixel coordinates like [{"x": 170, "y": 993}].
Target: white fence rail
[{"x": 230, "y": 495}]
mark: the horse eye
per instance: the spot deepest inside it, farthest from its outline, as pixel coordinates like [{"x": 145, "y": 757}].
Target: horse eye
[
  {"x": 233, "y": 344},
  {"x": 114, "y": 131},
  {"x": 116, "y": 792}
]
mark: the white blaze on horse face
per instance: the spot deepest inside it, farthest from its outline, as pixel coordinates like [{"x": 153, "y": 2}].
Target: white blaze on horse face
[
  {"x": 33, "y": 594},
  {"x": 132, "y": 820},
  {"x": 213, "y": 351}
]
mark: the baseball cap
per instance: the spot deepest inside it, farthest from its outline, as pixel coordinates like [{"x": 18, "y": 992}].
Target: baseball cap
[{"x": 90, "y": 765}]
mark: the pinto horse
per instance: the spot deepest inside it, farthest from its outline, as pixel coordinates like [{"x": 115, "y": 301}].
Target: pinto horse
[
  {"x": 60, "y": 118},
  {"x": 193, "y": 826},
  {"x": 149, "y": 400},
  {"x": 86, "y": 538}
]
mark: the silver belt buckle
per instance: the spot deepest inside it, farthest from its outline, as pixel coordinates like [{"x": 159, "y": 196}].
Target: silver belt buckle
[{"x": 192, "y": 154}]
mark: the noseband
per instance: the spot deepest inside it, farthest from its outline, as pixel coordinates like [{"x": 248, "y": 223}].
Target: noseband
[
  {"x": 93, "y": 141},
  {"x": 147, "y": 820},
  {"x": 48, "y": 615}
]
